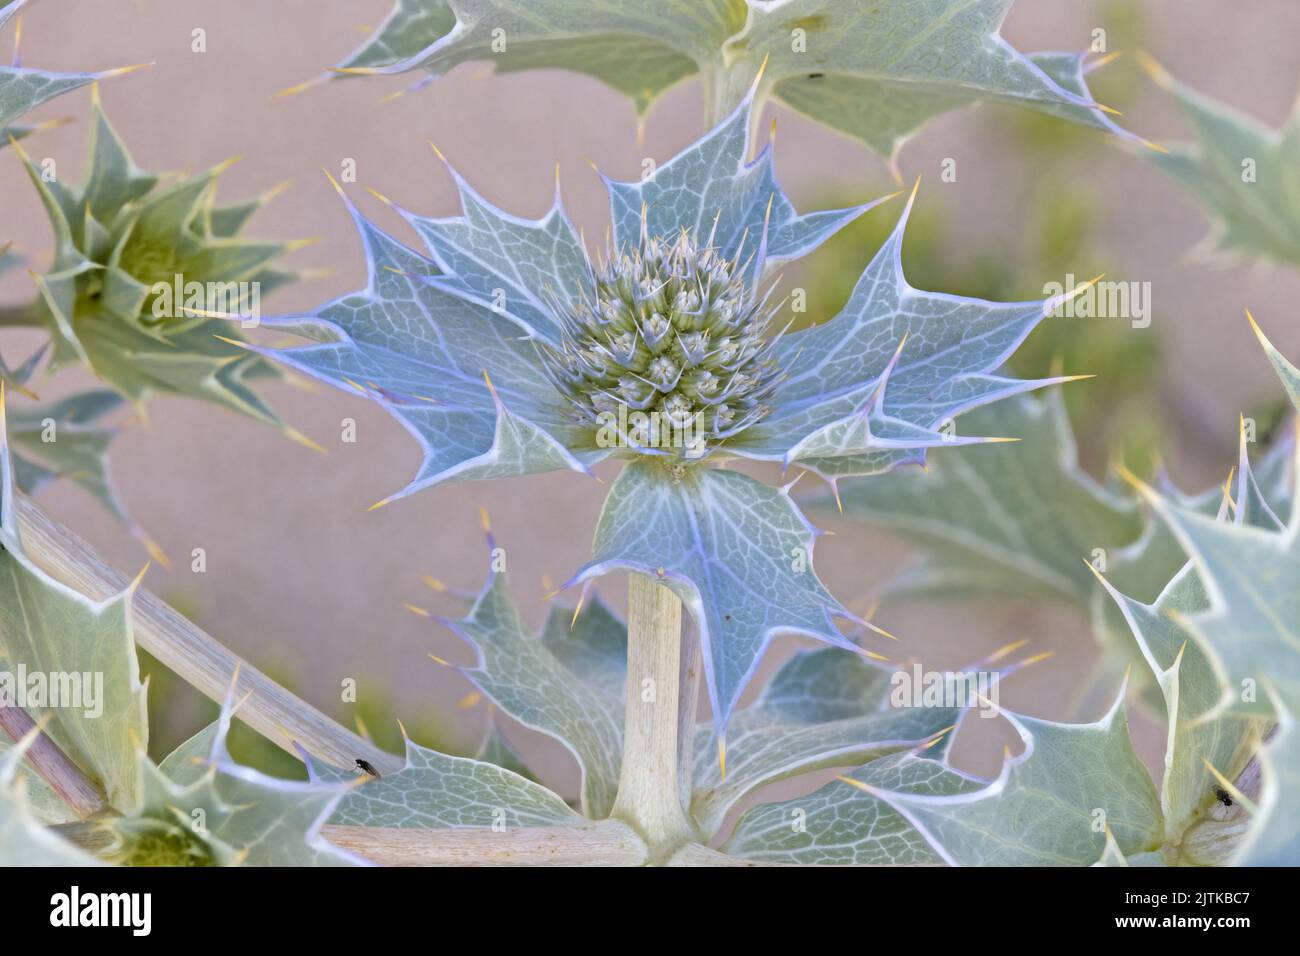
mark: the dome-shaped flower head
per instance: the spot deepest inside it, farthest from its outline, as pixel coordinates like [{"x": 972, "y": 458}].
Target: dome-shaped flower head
[{"x": 505, "y": 350}]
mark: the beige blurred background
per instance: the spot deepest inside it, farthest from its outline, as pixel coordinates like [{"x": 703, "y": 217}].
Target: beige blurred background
[{"x": 300, "y": 578}]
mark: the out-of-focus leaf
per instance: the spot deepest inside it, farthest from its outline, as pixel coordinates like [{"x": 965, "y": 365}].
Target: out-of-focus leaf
[
  {"x": 1020, "y": 520},
  {"x": 1051, "y": 805},
  {"x": 1245, "y": 175},
  {"x": 876, "y": 73},
  {"x": 791, "y": 730},
  {"x": 520, "y": 674},
  {"x": 84, "y": 650}
]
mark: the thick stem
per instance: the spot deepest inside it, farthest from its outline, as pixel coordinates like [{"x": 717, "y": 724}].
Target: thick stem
[
  {"x": 649, "y": 797},
  {"x": 193, "y": 655},
  {"x": 600, "y": 843},
  {"x": 53, "y": 765},
  {"x": 692, "y": 670}
]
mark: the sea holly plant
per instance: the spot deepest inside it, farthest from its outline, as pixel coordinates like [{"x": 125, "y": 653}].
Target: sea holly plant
[
  {"x": 823, "y": 708},
  {"x": 874, "y": 72},
  {"x": 674, "y": 364},
  {"x": 506, "y": 352}
]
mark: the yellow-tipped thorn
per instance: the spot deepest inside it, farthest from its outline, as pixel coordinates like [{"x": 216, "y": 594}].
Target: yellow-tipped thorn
[
  {"x": 416, "y": 609},
  {"x": 380, "y": 196},
  {"x": 379, "y": 504},
  {"x": 135, "y": 584},
  {"x": 333, "y": 182},
  {"x": 1105, "y": 60},
  {"x": 469, "y": 700},
  {"x": 277, "y": 190},
  {"x": 225, "y": 164},
  {"x": 1083, "y": 286},
  {"x": 1159, "y": 75},
  {"x": 437, "y": 152},
  {"x": 1037, "y": 658},
  {"x": 484, "y": 520},
  {"x": 299, "y": 438},
  {"x": 1259, "y": 333},
  {"x": 295, "y": 244},
  {"x": 362, "y": 729},
  {"x": 438, "y": 660},
  {"x": 880, "y": 630},
  {"x": 1231, "y": 788},
  {"x": 873, "y": 655},
  {"x": 229, "y": 341},
  {"x": 124, "y": 70},
  {"x": 434, "y": 584},
  {"x": 297, "y": 88},
  {"x": 722, "y": 759},
  {"x": 51, "y": 124},
  {"x": 356, "y": 70},
  {"x": 1155, "y": 147},
  {"x": 1006, "y": 649},
  {"x": 1140, "y": 486},
  {"x": 155, "y": 552},
  {"x": 916, "y": 187},
  {"x": 864, "y": 787},
  {"x": 937, "y": 736},
  {"x": 1108, "y": 109}
]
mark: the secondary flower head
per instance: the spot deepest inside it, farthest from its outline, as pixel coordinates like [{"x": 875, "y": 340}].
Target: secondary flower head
[
  {"x": 505, "y": 351},
  {"x": 146, "y": 273},
  {"x": 669, "y": 353}
]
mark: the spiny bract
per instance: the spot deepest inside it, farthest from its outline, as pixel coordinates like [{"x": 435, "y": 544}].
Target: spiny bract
[{"x": 669, "y": 355}]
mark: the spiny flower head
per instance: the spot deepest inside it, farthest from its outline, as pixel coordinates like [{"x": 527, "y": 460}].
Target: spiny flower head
[
  {"x": 670, "y": 354},
  {"x": 146, "y": 275},
  {"x": 506, "y": 352}
]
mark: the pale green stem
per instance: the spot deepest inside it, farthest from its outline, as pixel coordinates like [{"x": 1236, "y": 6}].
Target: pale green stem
[{"x": 649, "y": 797}]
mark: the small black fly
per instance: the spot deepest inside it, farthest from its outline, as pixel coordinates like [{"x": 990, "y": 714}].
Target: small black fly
[
  {"x": 1223, "y": 796},
  {"x": 364, "y": 766},
  {"x": 815, "y": 76}
]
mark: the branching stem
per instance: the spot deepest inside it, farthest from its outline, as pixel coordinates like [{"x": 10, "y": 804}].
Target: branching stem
[{"x": 192, "y": 654}]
